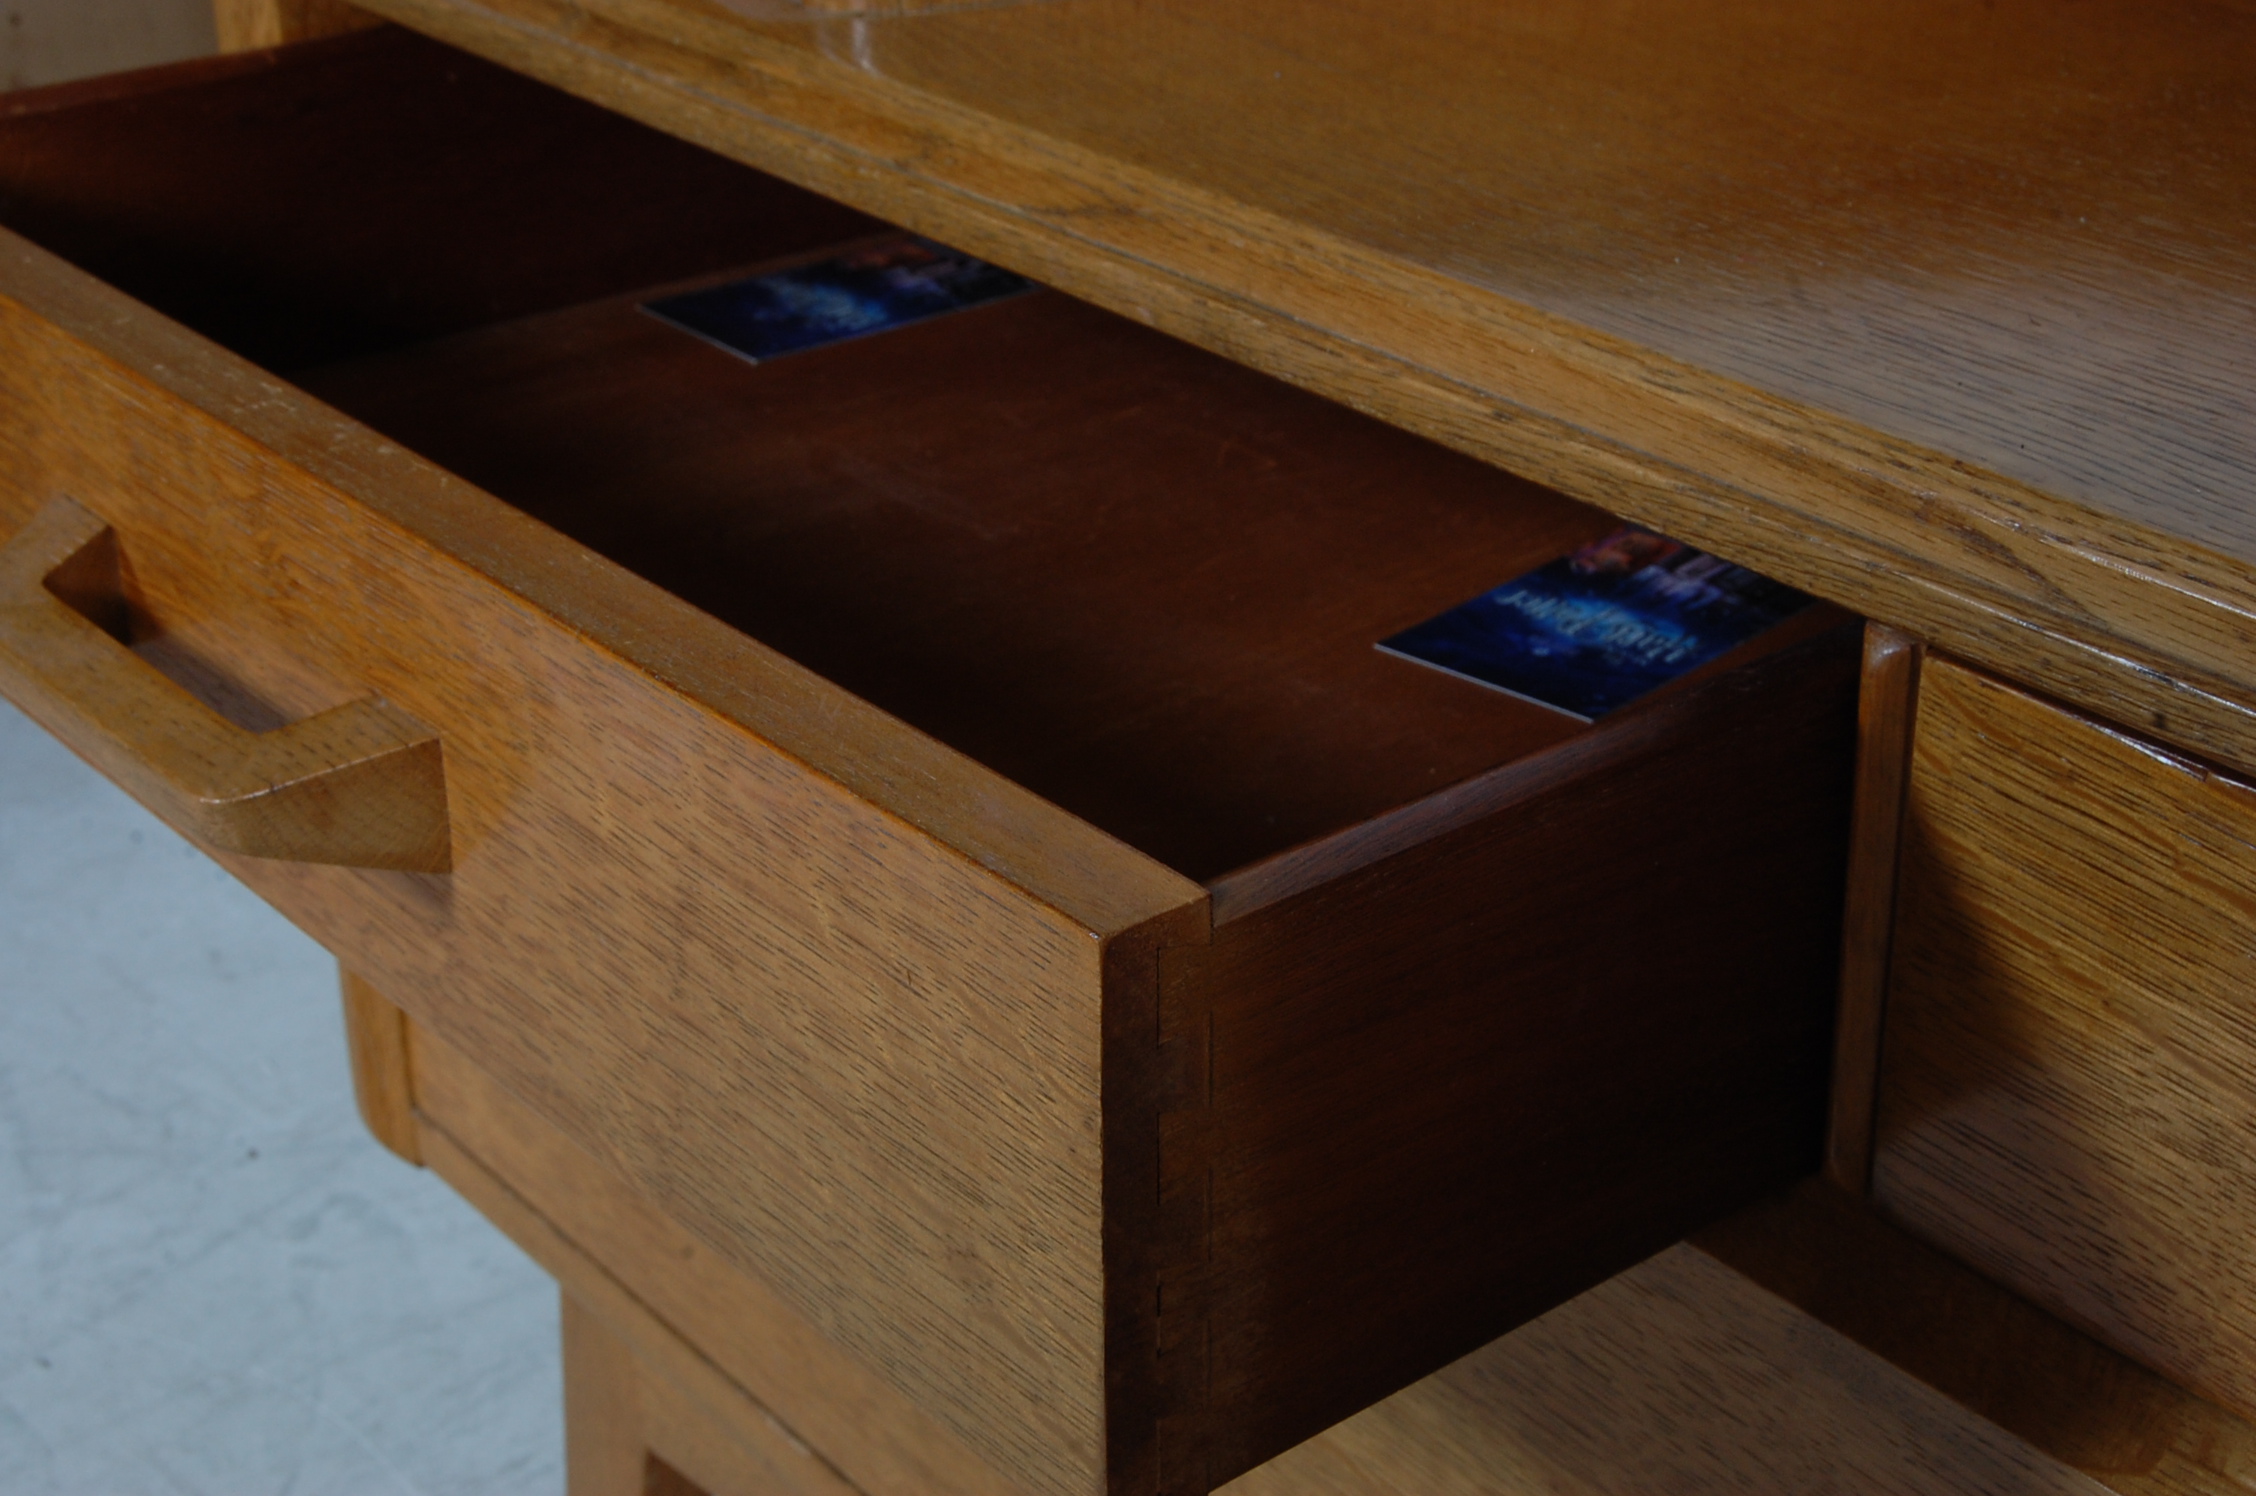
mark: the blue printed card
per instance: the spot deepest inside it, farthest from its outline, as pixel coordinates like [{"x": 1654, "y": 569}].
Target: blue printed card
[
  {"x": 1596, "y": 630},
  {"x": 867, "y": 290}
]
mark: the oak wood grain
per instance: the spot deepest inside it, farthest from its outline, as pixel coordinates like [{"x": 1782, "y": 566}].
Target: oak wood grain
[
  {"x": 2068, "y": 1094},
  {"x": 629, "y": 1433},
  {"x": 247, "y": 24},
  {"x": 1884, "y": 717},
  {"x": 1679, "y": 1377},
  {"x": 711, "y": 1330},
  {"x": 1464, "y": 1082},
  {"x": 1881, "y": 1364},
  {"x": 361, "y": 784},
  {"x": 1804, "y": 1345},
  {"x": 376, "y": 1035},
  {"x": 696, "y": 994},
  {"x": 1578, "y": 244},
  {"x": 1994, "y": 1353}
]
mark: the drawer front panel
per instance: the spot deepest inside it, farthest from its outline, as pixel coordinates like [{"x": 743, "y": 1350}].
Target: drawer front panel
[
  {"x": 2068, "y": 1083},
  {"x": 844, "y": 1052}
]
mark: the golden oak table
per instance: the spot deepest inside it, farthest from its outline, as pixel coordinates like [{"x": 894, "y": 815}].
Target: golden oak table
[{"x": 1940, "y": 313}]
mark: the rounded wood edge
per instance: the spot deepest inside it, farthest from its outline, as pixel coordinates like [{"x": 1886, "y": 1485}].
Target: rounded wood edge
[{"x": 377, "y": 1035}]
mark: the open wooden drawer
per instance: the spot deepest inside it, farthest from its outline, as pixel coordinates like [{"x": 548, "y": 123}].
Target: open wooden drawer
[{"x": 927, "y": 813}]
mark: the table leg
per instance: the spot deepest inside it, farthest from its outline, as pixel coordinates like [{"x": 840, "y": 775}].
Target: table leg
[
  {"x": 383, "y": 1075},
  {"x": 606, "y": 1446},
  {"x": 630, "y": 1430}
]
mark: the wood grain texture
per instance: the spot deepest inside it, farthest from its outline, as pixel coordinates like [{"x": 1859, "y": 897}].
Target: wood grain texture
[
  {"x": 710, "y": 1329},
  {"x": 361, "y": 784},
  {"x": 1678, "y": 1378},
  {"x": 2016, "y": 430},
  {"x": 376, "y": 1034},
  {"x": 2068, "y": 1097},
  {"x": 629, "y": 1433},
  {"x": 1829, "y": 1391},
  {"x": 1997, "y": 1355},
  {"x": 1463, "y": 1083},
  {"x": 1886, "y": 1373},
  {"x": 247, "y": 24},
  {"x": 649, "y": 806},
  {"x": 1884, "y": 715}
]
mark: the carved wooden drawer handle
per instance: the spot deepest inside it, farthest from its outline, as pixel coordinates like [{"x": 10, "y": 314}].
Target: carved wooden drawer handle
[{"x": 360, "y": 785}]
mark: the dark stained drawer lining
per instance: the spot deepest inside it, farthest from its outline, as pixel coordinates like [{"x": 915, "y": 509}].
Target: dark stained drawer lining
[{"x": 1133, "y": 577}]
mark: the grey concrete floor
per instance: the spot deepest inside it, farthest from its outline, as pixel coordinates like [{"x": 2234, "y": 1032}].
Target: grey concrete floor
[{"x": 211, "y": 1279}]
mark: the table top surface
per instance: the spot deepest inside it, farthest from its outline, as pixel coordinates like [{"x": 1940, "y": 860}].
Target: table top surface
[
  {"x": 2017, "y": 232},
  {"x": 1944, "y": 308}
]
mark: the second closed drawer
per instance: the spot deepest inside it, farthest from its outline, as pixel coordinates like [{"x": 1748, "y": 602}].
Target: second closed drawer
[
  {"x": 926, "y": 811},
  {"x": 2068, "y": 1078}
]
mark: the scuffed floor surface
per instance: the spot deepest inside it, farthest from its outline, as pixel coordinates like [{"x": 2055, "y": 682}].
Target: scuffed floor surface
[{"x": 211, "y": 1279}]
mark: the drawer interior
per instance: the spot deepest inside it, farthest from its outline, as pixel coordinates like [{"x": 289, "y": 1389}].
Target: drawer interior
[{"x": 1138, "y": 579}]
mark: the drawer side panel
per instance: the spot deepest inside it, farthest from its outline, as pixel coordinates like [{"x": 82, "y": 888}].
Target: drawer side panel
[{"x": 2068, "y": 1084}]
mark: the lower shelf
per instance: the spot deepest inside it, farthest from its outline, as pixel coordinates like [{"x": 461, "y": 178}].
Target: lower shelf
[
  {"x": 1678, "y": 1376},
  {"x": 1686, "y": 1375}
]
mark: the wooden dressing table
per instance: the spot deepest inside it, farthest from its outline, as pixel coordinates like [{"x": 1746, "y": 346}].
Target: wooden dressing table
[{"x": 1944, "y": 314}]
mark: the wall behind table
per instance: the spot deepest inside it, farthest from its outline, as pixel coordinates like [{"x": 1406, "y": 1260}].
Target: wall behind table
[{"x": 54, "y": 41}]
